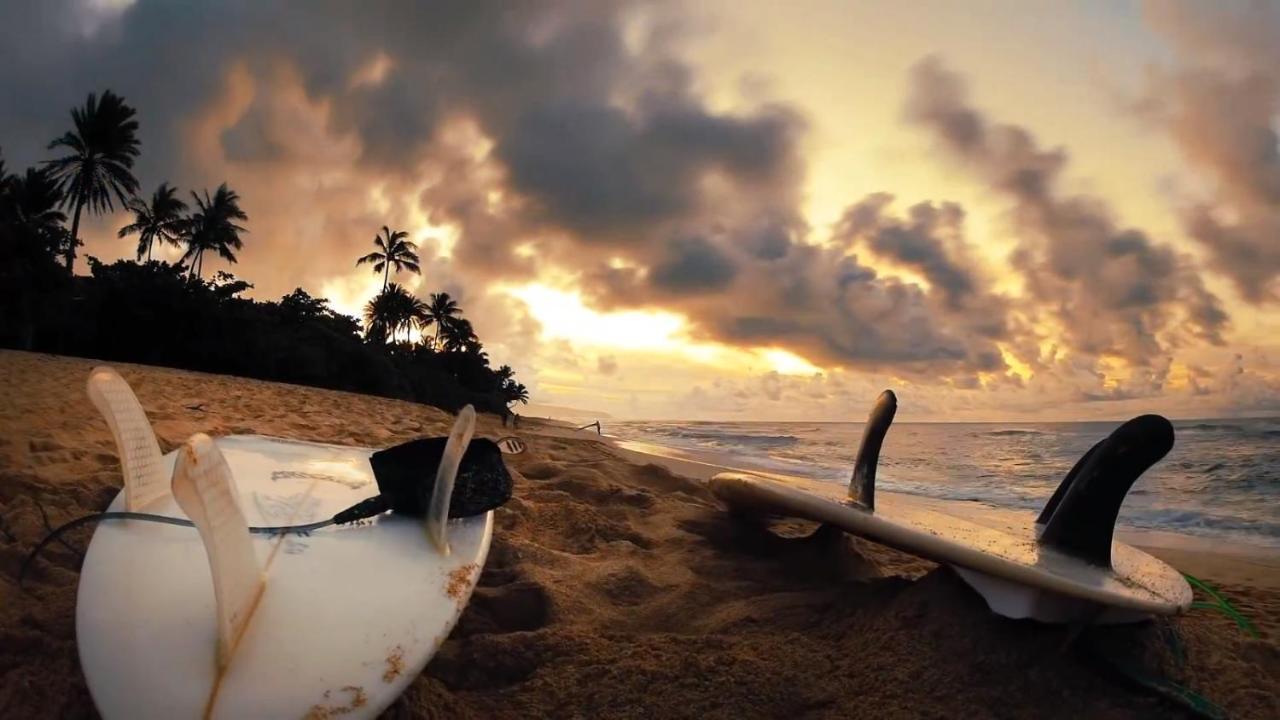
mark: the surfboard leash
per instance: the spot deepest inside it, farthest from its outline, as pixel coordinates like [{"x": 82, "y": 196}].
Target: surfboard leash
[
  {"x": 1220, "y": 604},
  {"x": 1164, "y": 687},
  {"x": 55, "y": 535},
  {"x": 483, "y": 483}
]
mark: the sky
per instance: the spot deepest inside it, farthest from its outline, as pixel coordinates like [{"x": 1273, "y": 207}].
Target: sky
[{"x": 735, "y": 210}]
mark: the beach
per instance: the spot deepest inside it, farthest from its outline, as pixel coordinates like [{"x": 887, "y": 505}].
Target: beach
[{"x": 618, "y": 586}]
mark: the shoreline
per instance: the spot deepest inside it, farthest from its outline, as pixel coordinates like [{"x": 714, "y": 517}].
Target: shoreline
[{"x": 1203, "y": 557}]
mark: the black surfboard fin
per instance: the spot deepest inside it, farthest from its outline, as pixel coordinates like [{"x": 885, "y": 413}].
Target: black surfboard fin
[
  {"x": 1056, "y": 498},
  {"x": 1080, "y": 518},
  {"x": 862, "y": 488}
]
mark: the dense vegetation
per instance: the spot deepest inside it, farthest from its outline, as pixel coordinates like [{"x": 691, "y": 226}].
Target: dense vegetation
[{"x": 163, "y": 313}]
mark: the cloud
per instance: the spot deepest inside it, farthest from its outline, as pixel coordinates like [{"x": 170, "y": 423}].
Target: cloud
[
  {"x": 929, "y": 241},
  {"x": 1113, "y": 290},
  {"x": 607, "y": 364},
  {"x": 1218, "y": 100},
  {"x": 572, "y": 143}
]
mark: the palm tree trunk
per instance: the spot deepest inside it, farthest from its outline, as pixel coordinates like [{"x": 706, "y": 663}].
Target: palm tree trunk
[
  {"x": 75, "y": 235},
  {"x": 153, "y": 241},
  {"x": 386, "y": 276}
]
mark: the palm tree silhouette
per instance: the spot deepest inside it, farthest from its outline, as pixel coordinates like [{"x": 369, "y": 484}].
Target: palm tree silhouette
[
  {"x": 504, "y": 375},
  {"x": 30, "y": 206},
  {"x": 161, "y": 220},
  {"x": 515, "y": 392},
  {"x": 393, "y": 249},
  {"x": 393, "y": 310},
  {"x": 442, "y": 310},
  {"x": 458, "y": 335},
  {"x": 212, "y": 227},
  {"x": 100, "y": 164}
]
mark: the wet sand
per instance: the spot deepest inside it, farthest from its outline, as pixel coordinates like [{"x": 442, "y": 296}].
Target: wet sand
[{"x": 618, "y": 587}]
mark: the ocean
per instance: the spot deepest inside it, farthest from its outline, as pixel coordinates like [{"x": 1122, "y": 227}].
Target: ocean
[{"x": 1221, "y": 481}]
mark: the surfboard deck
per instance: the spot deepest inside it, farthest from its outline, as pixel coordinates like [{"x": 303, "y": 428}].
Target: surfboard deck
[
  {"x": 1003, "y": 549},
  {"x": 348, "y": 618}
]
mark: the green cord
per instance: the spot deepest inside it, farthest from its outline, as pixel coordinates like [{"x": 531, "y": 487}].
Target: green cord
[
  {"x": 1168, "y": 689},
  {"x": 1221, "y": 604}
]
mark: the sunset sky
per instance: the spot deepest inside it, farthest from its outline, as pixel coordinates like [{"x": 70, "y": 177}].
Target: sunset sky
[{"x": 745, "y": 210}]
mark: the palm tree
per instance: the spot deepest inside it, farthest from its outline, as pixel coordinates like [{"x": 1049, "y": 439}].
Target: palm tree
[
  {"x": 393, "y": 249},
  {"x": 31, "y": 240},
  {"x": 161, "y": 220},
  {"x": 442, "y": 309},
  {"x": 212, "y": 227},
  {"x": 458, "y": 335},
  {"x": 515, "y": 392},
  {"x": 504, "y": 375},
  {"x": 392, "y": 310},
  {"x": 100, "y": 164},
  {"x": 31, "y": 206}
]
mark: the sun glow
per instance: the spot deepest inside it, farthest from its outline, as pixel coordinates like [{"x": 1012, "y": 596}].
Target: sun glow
[
  {"x": 788, "y": 363},
  {"x": 564, "y": 316}
]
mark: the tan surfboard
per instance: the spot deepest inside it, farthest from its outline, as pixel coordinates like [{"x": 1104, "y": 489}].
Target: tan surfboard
[{"x": 1063, "y": 566}]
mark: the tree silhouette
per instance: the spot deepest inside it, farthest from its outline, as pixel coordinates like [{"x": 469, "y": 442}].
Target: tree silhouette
[
  {"x": 31, "y": 206},
  {"x": 513, "y": 391},
  {"x": 99, "y": 165},
  {"x": 161, "y": 220},
  {"x": 31, "y": 237},
  {"x": 393, "y": 250},
  {"x": 212, "y": 227},
  {"x": 458, "y": 336},
  {"x": 442, "y": 310},
  {"x": 393, "y": 310}
]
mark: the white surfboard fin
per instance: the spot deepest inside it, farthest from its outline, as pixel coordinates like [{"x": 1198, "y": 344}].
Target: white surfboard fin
[
  {"x": 140, "y": 460},
  {"x": 202, "y": 486},
  {"x": 438, "y": 512},
  {"x": 862, "y": 487}
]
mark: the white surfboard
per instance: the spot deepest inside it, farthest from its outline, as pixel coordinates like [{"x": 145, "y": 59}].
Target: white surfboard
[
  {"x": 1009, "y": 562},
  {"x": 175, "y": 623}
]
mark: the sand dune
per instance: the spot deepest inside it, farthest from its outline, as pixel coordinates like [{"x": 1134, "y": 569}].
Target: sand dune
[{"x": 615, "y": 587}]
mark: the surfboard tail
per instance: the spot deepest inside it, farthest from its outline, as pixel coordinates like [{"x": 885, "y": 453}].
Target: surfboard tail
[
  {"x": 140, "y": 460},
  {"x": 862, "y": 487},
  {"x": 1080, "y": 517},
  {"x": 438, "y": 512},
  {"x": 202, "y": 485}
]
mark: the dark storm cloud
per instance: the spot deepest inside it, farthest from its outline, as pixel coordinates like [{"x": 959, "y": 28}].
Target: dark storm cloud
[
  {"x": 1219, "y": 102},
  {"x": 824, "y": 303},
  {"x": 928, "y": 240},
  {"x": 693, "y": 265},
  {"x": 1113, "y": 290}
]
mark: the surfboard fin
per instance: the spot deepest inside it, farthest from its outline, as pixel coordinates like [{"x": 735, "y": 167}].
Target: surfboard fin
[
  {"x": 202, "y": 487},
  {"x": 862, "y": 488},
  {"x": 438, "y": 512},
  {"x": 1080, "y": 518},
  {"x": 140, "y": 459}
]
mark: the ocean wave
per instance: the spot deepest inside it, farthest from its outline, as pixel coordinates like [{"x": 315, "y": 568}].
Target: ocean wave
[
  {"x": 1211, "y": 427},
  {"x": 731, "y": 439},
  {"x": 1012, "y": 433}
]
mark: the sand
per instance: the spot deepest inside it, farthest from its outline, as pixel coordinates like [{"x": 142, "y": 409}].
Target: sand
[{"x": 617, "y": 587}]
